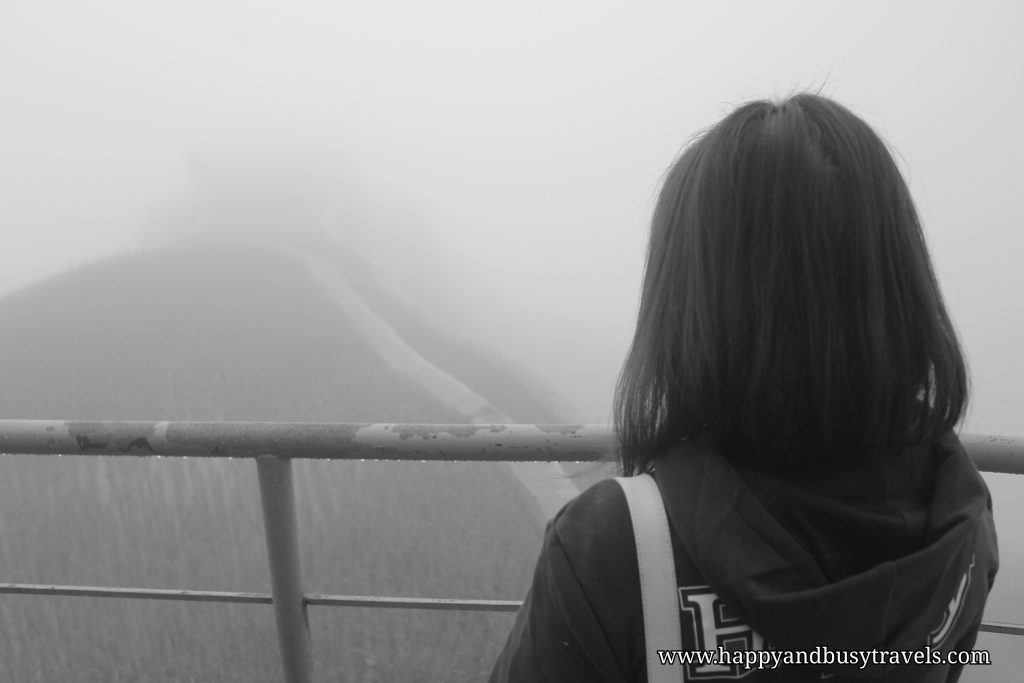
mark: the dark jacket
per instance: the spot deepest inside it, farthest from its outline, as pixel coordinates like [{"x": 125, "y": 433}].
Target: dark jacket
[{"x": 895, "y": 557}]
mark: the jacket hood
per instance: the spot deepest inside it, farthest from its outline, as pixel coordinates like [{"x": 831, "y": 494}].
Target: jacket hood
[{"x": 895, "y": 556}]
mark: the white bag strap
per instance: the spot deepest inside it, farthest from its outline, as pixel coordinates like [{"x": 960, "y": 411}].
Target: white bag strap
[{"x": 657, "y": 575}]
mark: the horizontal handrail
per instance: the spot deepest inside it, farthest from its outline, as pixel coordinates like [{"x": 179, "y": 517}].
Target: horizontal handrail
[
  {"x": 367, "y": 441},
  {"x": 1003, "y": 628},
  {"x": 326, "y": 600},
  {"x": 309, "y": 440},
  {"x": 143, "y": 593}
]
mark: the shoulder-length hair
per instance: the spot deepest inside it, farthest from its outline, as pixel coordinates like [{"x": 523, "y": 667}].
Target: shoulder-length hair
[{"x": 789, "y": 313}]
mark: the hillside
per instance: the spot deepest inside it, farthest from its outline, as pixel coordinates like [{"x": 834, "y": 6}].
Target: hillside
[{"x": 239, "y": 333}]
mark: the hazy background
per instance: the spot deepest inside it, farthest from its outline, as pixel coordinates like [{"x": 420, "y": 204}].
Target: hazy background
[{"x": 526, "y": 141}]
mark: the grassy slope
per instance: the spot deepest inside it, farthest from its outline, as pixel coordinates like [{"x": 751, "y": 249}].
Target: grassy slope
[{"x": 223, "y": 333}]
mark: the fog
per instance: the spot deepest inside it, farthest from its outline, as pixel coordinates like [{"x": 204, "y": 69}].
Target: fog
[{"x": 505, "y": 158}]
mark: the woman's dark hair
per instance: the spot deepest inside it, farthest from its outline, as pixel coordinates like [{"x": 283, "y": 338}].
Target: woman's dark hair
[{"x": 789, "y": 313}]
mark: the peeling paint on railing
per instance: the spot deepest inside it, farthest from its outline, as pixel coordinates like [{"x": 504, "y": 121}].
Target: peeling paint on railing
[
  {"x": 365, "y": 441},
  {"x": 311, "y": 440}
]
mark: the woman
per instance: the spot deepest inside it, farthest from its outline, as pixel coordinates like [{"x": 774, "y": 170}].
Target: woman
[{"x": 793, "y": 385}]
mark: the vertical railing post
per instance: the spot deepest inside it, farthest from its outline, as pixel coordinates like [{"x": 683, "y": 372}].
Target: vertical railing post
[{"x": 278, "y": 498}]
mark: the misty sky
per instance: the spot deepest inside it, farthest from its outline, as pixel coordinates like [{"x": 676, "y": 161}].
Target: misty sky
[{"x": 527, "y": 138}]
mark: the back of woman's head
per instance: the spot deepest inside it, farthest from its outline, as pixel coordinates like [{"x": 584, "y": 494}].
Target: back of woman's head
[{"x": 789, "y": 312}]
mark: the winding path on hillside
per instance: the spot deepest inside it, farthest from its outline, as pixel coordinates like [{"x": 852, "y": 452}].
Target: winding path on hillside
[{"x": 548, "y": 483}]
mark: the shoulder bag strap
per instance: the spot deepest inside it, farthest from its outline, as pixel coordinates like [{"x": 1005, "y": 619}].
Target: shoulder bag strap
[{"x": 658, "y": 588}]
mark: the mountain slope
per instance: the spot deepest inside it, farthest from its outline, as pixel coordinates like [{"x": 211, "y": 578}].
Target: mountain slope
[
  {"x": 234, "y": 333},
  {"x": 175, "y": 334}
]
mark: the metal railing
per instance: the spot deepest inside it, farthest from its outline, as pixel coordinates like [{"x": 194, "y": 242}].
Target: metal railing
[{"x": 274, "y": 444}]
